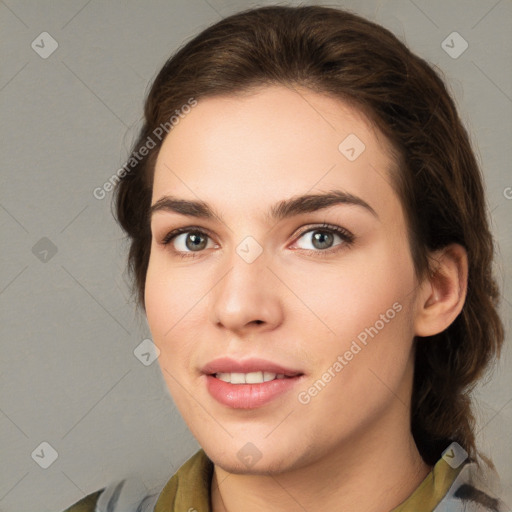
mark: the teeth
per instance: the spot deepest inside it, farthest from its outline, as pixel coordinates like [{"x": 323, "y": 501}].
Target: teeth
[
  {"x": 237, "y": 378},
  {"x": 249, "y": 378},
  {"x": 268, "y": 376}
]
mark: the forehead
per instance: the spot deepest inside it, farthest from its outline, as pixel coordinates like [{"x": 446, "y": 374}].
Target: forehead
[{"x": 270, "y": 144}]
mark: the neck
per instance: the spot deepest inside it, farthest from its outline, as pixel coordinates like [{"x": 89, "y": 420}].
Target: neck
[{"x": 374, "y": 472}]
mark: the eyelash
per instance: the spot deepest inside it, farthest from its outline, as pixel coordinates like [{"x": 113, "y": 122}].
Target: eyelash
[{"x": 347, "y": 237}]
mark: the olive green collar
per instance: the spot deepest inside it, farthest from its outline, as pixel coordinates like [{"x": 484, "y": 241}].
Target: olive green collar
[{"x": 189, "y": 488}]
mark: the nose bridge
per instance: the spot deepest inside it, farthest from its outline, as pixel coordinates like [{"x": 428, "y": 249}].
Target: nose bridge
[{"x": 246, "y": 293}]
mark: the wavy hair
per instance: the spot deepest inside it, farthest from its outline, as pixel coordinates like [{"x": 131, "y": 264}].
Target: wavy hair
[{"x": 437, "y": 177}]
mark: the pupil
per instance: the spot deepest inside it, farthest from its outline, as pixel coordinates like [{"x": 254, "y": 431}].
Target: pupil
[
  {"x": 196, "y": 241},
  {"x": 320, "y": 236}
]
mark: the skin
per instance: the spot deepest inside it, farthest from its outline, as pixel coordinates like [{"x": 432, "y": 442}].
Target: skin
[{"x": 350, "y": 447}]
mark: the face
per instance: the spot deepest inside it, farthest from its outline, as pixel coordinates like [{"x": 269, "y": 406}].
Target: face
[{"x": 322, "y": 289}]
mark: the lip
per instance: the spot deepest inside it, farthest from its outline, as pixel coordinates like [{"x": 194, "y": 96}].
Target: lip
[
  {"x": 228, "y": 365},
  {"x": 248, "y": 396}
]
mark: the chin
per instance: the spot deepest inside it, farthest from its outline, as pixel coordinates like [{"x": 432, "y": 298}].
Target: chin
[
  {"x": 231, "y": 464},
  {"x": 271, "y": 459}
]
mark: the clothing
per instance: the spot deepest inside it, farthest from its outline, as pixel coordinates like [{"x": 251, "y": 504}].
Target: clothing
[{"x": 466, "y": 488}]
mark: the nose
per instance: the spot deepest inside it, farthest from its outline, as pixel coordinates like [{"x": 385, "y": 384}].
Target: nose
[{"x": 247, "y": 296}]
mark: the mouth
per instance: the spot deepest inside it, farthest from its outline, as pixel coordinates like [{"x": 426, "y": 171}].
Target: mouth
[
  {"x": 251, "y": 390},
  {"x": 249, "y": 383}
]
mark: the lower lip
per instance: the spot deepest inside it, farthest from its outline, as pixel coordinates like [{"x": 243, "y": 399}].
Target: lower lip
[{"x": 248, "y": 396}]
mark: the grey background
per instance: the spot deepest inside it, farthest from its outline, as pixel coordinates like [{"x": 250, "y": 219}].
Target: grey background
[{"x": 68, "y": 374}]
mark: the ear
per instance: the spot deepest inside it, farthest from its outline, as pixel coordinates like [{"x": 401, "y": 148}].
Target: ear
[{"x": 442, "y": 294}]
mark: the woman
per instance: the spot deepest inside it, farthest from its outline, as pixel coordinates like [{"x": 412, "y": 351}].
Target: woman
[{"x": 310, "y": 245}]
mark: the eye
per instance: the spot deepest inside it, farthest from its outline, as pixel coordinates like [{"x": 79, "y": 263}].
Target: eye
[
  {"x": 187, "y": 241},
  {"x": 322, "y": 238}
]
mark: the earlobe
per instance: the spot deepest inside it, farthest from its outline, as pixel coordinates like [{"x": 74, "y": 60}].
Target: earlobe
[{"x": 442, "y": 294}]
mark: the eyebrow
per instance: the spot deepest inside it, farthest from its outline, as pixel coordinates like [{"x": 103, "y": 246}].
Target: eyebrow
[{"x": 297, "y": 205}]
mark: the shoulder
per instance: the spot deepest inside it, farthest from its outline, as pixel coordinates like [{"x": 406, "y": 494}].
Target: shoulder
[
  {"x": 127, "y": 495},
  {"x": 190, "y": 482},
  {"x": 476, "y": 488},
  {"x": 87, "y": 504}
]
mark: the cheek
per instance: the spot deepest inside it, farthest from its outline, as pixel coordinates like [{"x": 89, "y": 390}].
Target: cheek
[
  {"x": 173, "y": 311},
  {"x": 163, "y": 311},
  {"x": 365, "y": 371},
  {"x": 350, "y": 296},
  {"x": 169, "y": 294},
  {"x": 377, "y": 333},
  {"x": 370, "y": 310},
  {"x": 164, "y": 297}
]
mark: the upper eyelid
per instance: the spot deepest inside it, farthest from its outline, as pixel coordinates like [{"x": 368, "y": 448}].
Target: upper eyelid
[{"x": 186, "y": 229}]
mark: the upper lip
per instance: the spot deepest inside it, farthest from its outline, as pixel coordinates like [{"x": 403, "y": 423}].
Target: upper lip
[{"x": 228, "y": 365}]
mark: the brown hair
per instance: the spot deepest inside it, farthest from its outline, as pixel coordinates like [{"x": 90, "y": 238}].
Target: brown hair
[{"x": 437, "y": 177}]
